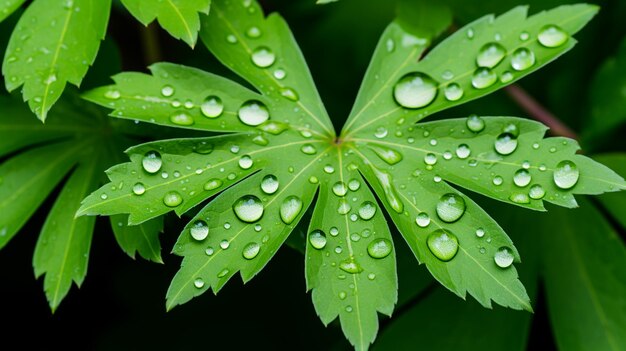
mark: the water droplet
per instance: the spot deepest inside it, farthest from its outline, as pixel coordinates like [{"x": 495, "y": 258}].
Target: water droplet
[
  {"x": 450, "y": 207},
  {"x": 172, "y": 199},
  {"x": 226, "y": 225},
  {"x": 490, "y": 55},
  {"x": 415, "y": 90},
  {"x": 269, "y": 184},
  {"x": 209, "y": 251},
  {"x": 497, "y": 180},
  {"x": 308, "y": 149},
  {"x": 198, "y": 283},
  {"x": 224, "y": 272},
  {"x": 290, "y": 209},
  {"x": 524, "y": 36},
  {"x": 379, "y": 248},
  {"x": 280, "y": 74},
  {"x": 334, "y": 231},
  {"x": 253, "y": 32},
  {"x": 566, "y": 174},
  {"x": 505, "y": 143},
  {"x": 522, "y": 59},
  {"x": 470, "y": 33},
  {"x": 506, "y": 77},
  {"x": 344, "y": 207},
  {"x": 274, "y": 127},
  {"x": 167, "y": 91},
  {"x": 199, "y": 230},
  {"x": 422, "y": 220},
  {"x": 348, "y": 309},
  {"x": 350, "y": 265},
  {"x": 212, "y": 107},
  {"x": 253, "y": 113},
  {"x": 342, "y": 295},
  {"x": 447, "y": 75},
  {"x": 251, "y": 250},
  {"x": 503, "y": 257},
  {"x": 245, "y": 162},
  {"x": 371, "y": 276},
  {"x": 139, "y": 189},
  {"x": 182, "y": 119},
  {"x": 453, "y": 92},
  {"x": 519, "y": 198},
  {"x": 340, "y": 188},
  {"x": 388, "y": 155},
  {"x": 394, "y": 201},
  {"x": 443, "y": 244},
  {"x": 231, "y": 39},
  {"x": 289, "y": 94},
  {"x": 552, "y": 36},
  {"x": 263, "y": 57},
  {"x": 260, "y": 140},
  {"x": 213, "y": 184},
  {"x": 248, "y": 208},
  {"x": 152, "y": 162},
  {"x": 390, "y": 45},
  {"x": 536, "y": 192},
  {"x": 313, "y": 180},
  {"x": 463, "y": 151},
  {"x": 430, "y": 159},
  {"x": 475, "y": 123},
  {"x": 381, "y": 132},
  {"x": 522, "y": 178},
  {"x": 367, "y": 210},
  {"x": 112, "y": 94},
  {"x": 104, "y": 196},
  {"x": 224, "y": 244},
  {"x": 483, "y": 78},
  {"x": 317, "y": 238},
  {"x": 480, "y": 232}
]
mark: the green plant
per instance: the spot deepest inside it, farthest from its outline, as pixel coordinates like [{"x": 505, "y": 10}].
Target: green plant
[{"x": 279, "y": 154}]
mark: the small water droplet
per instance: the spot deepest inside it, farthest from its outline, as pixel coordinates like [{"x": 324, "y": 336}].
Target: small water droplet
[
  {"x": 566, "y": 174},
  {"x": 342, "y": 295},
  {"x": 280, "y": 74},
  {"x": 490, "y": 55},
  {"x": 317, "y": 239},
  {"x": 536, "y": 192},
  {"x": 198, "y": 283},
  {"x": 340, "y": 188},
  {"x": 350, "y": 265},
  {"x": 381, "y": 132},
  {"x": 313, "y": 180},
  {"x": 290, "y": 209},
  {"x": 447, "y": 75},
  {"x": 470, "y": 33},
  {"x": 334, "y": 231},
  {"x": 182, "y": 119},
  {"x": 213, "y": 184},
  {"x": 245, "y": 162},
  {"x": 199, "y": 230},
  {"x": 480, "y": 232},
  {"x": 390, "y": 45},
  {"x": 522, "y": 59},
  {"x": 371, "y": 276},
  {"x": 253, "y": 32},
  {"x": 475, "y": 123},
  {"x": 367, "y": 210},
  {"x": 506, "y": 77},
  {"x": 354, "y": 184},
  {"x": 253, "y": 113},
  {"x": 447, "y": 155},
  {"x": 308, "y": 149},
  {"x": 112, "y": 94},
  {"x": 269, "y": 184},
  {"x": 524, "y": 36},
  {"x": 450, "y": 207},
  {"x": 415, "y": 90},
  {"x": 505, "y": 144},
  {"x": 483, "y": 78},
  {"x": 522, "y": 178},
  {"x": 251, "y": 250},
  {"x": 503, "y": 257},
  {"x": 224, "y": 272},
  {"x": 344, "y": 207},
  {"x": 212, "y": 107},
  {"x": 172, "y": 199},
  {"x": 379, "y": 248},
  {"x": 263, "y": 57},
  {"x": 273, "y": 127},
  {"x": 139, "y": 189},
  {"x": 167, "y": 91},
  {"x": 552, "y": 36},
  {"x": 289, "y": 94},
  {"x": 430, "y": 159},
  {"x": 231, "y": 39},
  {"x": 443, "y": 244},
  {"x": 348, "y": 309},
  {"x": 519, "y": 198},
  {"x": 248, "y": 208},
  {"x": 209, "y": 251},
  {"x": 390, "y": 156},
  {"x": 463, "y": 151},
  {"x": 422, "y": 219},
  {"x": 152, "y": 162},
  {"x": 260, "y": 140},
  {"x": 224, "y": 244},
  {"x": 453, "y": 92},
  {"x": 497, "y": 180}
]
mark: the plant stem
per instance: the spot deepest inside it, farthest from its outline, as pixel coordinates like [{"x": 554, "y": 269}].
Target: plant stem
[
  {"x": 150, "y": 42},
  {"x": 538, "y": 112}
]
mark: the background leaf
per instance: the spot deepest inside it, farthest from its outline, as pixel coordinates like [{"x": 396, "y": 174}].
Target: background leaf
[{"x": 8, "y": 7}]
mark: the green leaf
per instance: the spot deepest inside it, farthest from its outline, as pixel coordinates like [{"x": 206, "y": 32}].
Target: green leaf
[
  {"x": 615, "y": 203},
  {"x": 422, "y": 18},
  {"x": 62, "y": 251},
  {"x": 53, "y": 44},
  {"x": 8, "y": 7},
  {"x": 323, "y": 2},
  {"x": 142, "y": 239},
  {"x": 454, "y": 61},
  {"x": 179, "y": 17},
  {"x": 585, "y": 280}
]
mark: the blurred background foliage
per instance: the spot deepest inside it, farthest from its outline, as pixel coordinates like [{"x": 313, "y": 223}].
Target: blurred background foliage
[{"x": 121, "y": 304}]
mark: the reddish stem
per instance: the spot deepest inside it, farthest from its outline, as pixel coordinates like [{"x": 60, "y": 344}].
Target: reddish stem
[{"x": 538, "y": 112}]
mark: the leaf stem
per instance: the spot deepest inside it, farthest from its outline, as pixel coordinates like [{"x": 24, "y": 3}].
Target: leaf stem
[
  {"x": 150, "y": 44},
  {"x": 539, "y": 112}
]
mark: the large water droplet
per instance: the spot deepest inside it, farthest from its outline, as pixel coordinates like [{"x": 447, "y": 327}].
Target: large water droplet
[
  {"x": 290, "y": 208},
  {"x": 450, "y": 207},
  {"x": 552, "y": 36},
  {"x": 504, "y": 257},
  {"x": 251, "y": 250},
  {"x": 317, "y": 238},
  {"x": 475, "y": 123},
  {"x": 483, "y": 78},
  {"x": 392, "y": 197},
  {"x": 415, "y": 90},
  {"x": 263, "y": 57},
  {"x": 522, "y": 178},
  {"x": 463, "y": 151},
  {"x": 139, "y": 189},
  {"x": 422, "y": 219},
  {"x": 253, "y": 113},
  {"x": 566, "y": 174},
  {"x": 505, "y": 143},
  {"x": 213, "y": 184},
  {"x": 269, "y": 184},
  {"x": 430, "y": 159},
  {"x": 379, "y": 248},
  {"x": 245, "y": 162},
  {"x": 453, "y": 92},
  {"x": 443, "y": 244},
  {"x": 212, "y": 107},
  {"x": 350, "y": 265},
  {"x": 490, "y": 55},
  {"x": 367, "y": 210},
  {"x": 182, "y": 119},
  {"x": 152, "y": 162},
  {"x": 522, "y": 59},
  {"x": 340, "y": 188},
  {"x": 172, "y": 199},
  {"x": 536, "y": 192},
  {"x": 199, "y": 230},
  {"x": 388, "y": 155},
  {"x": 248, "y": 208}
]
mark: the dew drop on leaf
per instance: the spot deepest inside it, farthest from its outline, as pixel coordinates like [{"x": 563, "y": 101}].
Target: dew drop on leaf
[
  {"x": 422, "y": 219},
  {"x": 152, "y": 162},
  {"x": 490, "y": 55},
  {"x": 340, "y": 188},
  {"x": 524, "y": 36},
  {"x": 394, "y": 201},
  {"x": 483, "y": 78},
  {"x": 430, "y": 159},
  {"x": 463, "y": 151},
  {"x": 199, "y": 230},
  {"x": 245, "y": 162},
  {"x": 290, "y": 209},
  {"x": 497, "y": 180},
  {"x": 367, "y": 210},
  {"x": 450, "y": 207},
  {"x": 379, "y": 248},
  {"x": 251, "y": 250},
  {"x": 112, "y": 94},
  {"x": 253, "y": 113},
  {"x": 313, "y": 180},
  {"x": 223, "y": 273},
  {"x": 280, "y": 74},
  {"x": 260, "y": 140},
  {"x": 505, "y": 144},
  {"x": 522, "y": 178},
  {"x": 212, "y": 107},
  {"x": 231, "y": 39},
  {"x": 344, "y": 207},
  {"x": 253, "y": 32},
  {"x": 263, "y": 57},
  {"x": 274, "y": 127},
  {"x": 519, "y": 198},
  {"x": 317, "y": 239},
  {"x": 503, "y": 257},
  {"x": 350, "y": 265},
  {"x": 522, "y": 59},
  {"x": 209, "y": 251},
  {"x": 381, "y": 132},
  {"x": 139, "y": 189},
  {"x": 213, "y": 184},
  {"x": 506, "y": 77},
  {"x": 354, "y": 184},
  {"x": 390, "y": 156},
  {"x": 334, "y": 231},
  {"x": 182, "y": 119},
  {"x": 172, "y": 199},
  {"x": 167, "y": 91},
  {"x": 552, "y": 36},
  {"x": 308, "y": 149},
  {"x": 453, "y": 92},
  {"x": 566, "y": 174},
  {"x": 480, "y": 232},
  {"x": 443, "y": 244},
  {"x": 475, "y": 123},
  {"x": 415, "y": 90},
  {"x": 248, "y": 208},
  {"x": 269, "y": 184},
  {"x": 289, "y": 94},
  {"x": 198, "y": 283},
  {"x": 536, "y": 192}
]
